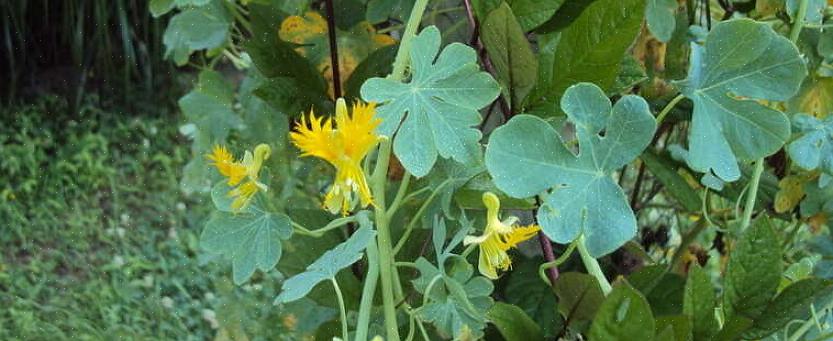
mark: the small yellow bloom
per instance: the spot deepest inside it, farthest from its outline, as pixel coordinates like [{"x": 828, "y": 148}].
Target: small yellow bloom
[
  {"x": 498, "y": 237},
  {"x": 236, "y": 172},
  {"x": 344, "y": 147}
]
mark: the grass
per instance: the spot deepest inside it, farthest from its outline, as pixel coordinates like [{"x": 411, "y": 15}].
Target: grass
[{"x": 98, "y": 241}]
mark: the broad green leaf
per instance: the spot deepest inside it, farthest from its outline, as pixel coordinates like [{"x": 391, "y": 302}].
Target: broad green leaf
[
  {"x": 209, "y": 107},
  {"x": 327, "y": 266},
  {"x": 585, "y": 57},
  {"x": 753, "y": 272},
  {"x": 441, "y": 101},
  {"x": 665, "y": 169},
  {"x": 251, "y": 239},
  {"x": 195, "y": 29},
  {"x": 624, "y": 315},
  {"x": 679, "y": 325},
  {"x": 579, "y": 296},
  {"x": 527, "y": 157},
  {"x": 791, "y": 304},
  {"x": 741, "y": 62},
  {"x": 659, "y": 15},
  {"x": 457, "y": 301},
  {"x": 510, "y": 53},
  {"x": 524, "y": 289},
  {"x": 569, "y": 12},
  {"x": 263, "y": 123},
  {"x": 814, "y": 149},
  {"x": 825, "y": 47},
  {"x": 533, "y": 13},
  {"x": 513, "y": 323},
  {"x": 699, "y": 303},
  {"x": 381, "y": 10}
]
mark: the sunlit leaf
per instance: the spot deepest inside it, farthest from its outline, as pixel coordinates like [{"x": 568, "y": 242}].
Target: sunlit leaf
[
  {"x": 527, "y": 157},
  {"x": 193, "y": 29},
  {"x": 441, "y": 101},
  {"x": 659, "y": 15},
  {"x": 814, "y": 148},
  {"x": 742, "y": 61}
]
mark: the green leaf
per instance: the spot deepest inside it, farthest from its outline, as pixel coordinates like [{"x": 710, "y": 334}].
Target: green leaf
[
  {"x": 513, "y": 323},
  {"x": 742, "y": 61},
  {"x": 659, "y": 15},
  {"x": 533, "y": 13},
  {"x": 631, "y": 75},
  {"x": 527, "y": 157},
  {"x": 195, "y": 29},
  {"x": 251, "y": 239},
  {"x": 159, "y": 8},
  {"x": 441, "y": 100},
  {"x": 377, "y": 64},
  {"x": 510, "y": 53},
  {"x": 753, "y": 272},
  {"x": 665, "y": 169},
  {"x": 818, "y": 199},
  {"x": 326, "y": 266},
  {"x": 814, "y": 149},
  {"x": 579, "y": 296},
  {"x": 263, "y": 123},
  {"x": 791, "y": 304},
  {"x": 275, "y": 59},
  {"x": 815, "y": 10},
  {"x": 380, "y": 10},
  {"x": 624, "y": 315},
  {"x": 699, "y": 303},
  {"x": 733, "y": 328},
  {"x": 457, "y": 302},
  {"x": 524, "y": 289},
  {"x": 680, "y": 326},
  {"x": 209, "y": 107},
  {"x": 585, "y": 57}
]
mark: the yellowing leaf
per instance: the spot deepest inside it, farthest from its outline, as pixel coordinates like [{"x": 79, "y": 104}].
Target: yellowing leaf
[
  {"x": 790, "y": 192},
  {"x": 310, "y": 32},
  {"x": 814, "y": 98}
]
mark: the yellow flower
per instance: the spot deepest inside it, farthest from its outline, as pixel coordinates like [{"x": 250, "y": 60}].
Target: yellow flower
[
  {"x": 236, "y": 172},
  {"x": 498, "y": 237},
  {"x": 344, "y": 147}
]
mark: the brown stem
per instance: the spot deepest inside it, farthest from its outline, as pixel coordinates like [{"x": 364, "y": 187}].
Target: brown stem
[
  {"x": 546, "y": 248},
  {"x": 484, "y": 57},
  {"x": 331, "y": 29},
  {"x": 637, "y": 185}
]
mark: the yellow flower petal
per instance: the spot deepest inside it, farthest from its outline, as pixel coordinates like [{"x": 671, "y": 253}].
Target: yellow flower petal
[
  {"x": 236, "y": 171},
  {"x": 344, "y": 147}
]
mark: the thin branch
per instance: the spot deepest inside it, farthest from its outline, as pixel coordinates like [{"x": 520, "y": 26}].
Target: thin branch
[
  {"x": 484, "y": 57},
  {"x": 331, "y": 29}
]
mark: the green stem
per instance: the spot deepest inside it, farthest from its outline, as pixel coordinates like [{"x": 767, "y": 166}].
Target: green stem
[
  {"x": 798, "y": 24},
  {"x": 343, "y": 309},
  {"x": 403, "y": 55},
  {"x": 379, "y": 181},
  {"x": 416, "y": 218},
  {"x": 556, "y": 263},
  {"x": 593, "y": 267},
  {"x": 668, "y": 108},
  {"x": 805, "y": 327},
  {"x": 383, "y": 238},
  {"x": 300, "y": 229},
  {"x": 400, "y": 194},
  {"x": 368, "y": 292},
  {"x": 749, "y": 207}
]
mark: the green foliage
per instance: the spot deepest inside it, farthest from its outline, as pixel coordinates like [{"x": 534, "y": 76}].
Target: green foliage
[
  {"x": 327, "y": 266},
  {"x": 624, "y": 314},
  {"x": 581, "y": 57},
  {"x": 526, "y": 157},
  {"x": 198, "y": 28},
  {"x": 509, "y": 51},
  {"x": 659, "y": 15},
  {"x": 251, "y": 239},
  {"x": 725, "y": 78},
  {"x": 441, "y": 101},
  {"x": 753, "y": 272},
  {"x": 532, "y": 13},
  {"x": 699, "y": 303},
  {"x": 814, "y": 149},
  {"x": 513, "y": 323}
]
